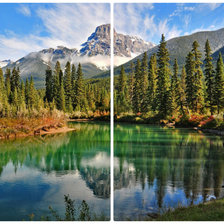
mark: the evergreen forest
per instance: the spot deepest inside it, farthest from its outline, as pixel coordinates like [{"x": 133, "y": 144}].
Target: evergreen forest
[
  {"x": 65, "y": 91},
  {"x": 156, "y": 89}
]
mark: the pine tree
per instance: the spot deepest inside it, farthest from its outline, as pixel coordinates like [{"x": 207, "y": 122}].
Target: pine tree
[
  {"x": 122, "y": 94},
  {"x": 15, "y": 79},
  {"x": 27, "y": 91},
  {"x": 2, "y": 85},
  {"x": 68, "y": 84},
  {"x": 79, "y": 90},
  {"x": 209, "y": 78},
  {"x": 49, "y": 85},
  {"x": 182, "y": 89},
  {"x": 175, "y": 88},
  {"x": 7, "y": 82},
  {"x": 144, "y": 83},
  {"x": 15, "y": 100},
  {"x": 73, "y": 76},
  {"x": 198, "y": 96},
  {"x": 152, "y": 86},
  {"x": 136, "y": 101},
  {"x": 131, "y": 82},
  {"x": 90, "y": 98},
  {"x": 62, "y": 97},
  {"x": 2, "y": 93},
  {"x": 60, "y": 77},
  {"x": 105, "y": 99},
  {"x": 163, "y": 79},
  {"x": 57, "y": 85},
  {"x": 73, "y": 79},
  {"x": 190, "y": 68},
  {"x": 31, "y": 94},
  {"x": 22, "y": 103},
  {"x": 219, "y": 84}
]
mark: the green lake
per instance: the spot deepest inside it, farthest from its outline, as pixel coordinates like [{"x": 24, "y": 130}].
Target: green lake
[
  {"x": 36, "y": 172},
  {"x": 158, "y": 168}
]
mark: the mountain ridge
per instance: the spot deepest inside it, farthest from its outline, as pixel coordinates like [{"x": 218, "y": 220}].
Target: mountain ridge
[{"x": 179, "y": 47}]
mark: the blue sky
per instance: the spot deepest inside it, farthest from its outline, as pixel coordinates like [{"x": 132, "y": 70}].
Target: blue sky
[
  {"x": 31, "y": 27},
  {"x": 149, "y": 21}
]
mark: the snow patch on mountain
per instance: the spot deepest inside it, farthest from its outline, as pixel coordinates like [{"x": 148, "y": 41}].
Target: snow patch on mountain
[{"x": 5, "y": 63}]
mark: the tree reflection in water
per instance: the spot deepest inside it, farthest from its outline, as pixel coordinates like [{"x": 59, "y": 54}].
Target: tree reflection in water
[{"x": 177, "y": 166}]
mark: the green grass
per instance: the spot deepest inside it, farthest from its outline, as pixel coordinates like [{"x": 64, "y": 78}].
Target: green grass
[{"x": 209, "y": 211}]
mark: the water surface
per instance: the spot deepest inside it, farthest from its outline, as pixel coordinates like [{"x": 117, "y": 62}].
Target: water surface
[
  {"x": 157, "y": 168},
  {"x": 36, "y": 172}
]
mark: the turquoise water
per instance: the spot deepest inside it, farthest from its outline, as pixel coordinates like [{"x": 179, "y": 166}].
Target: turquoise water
[
  {"x": 36, "y": 172},
  {"x": 158, "y": 168}
]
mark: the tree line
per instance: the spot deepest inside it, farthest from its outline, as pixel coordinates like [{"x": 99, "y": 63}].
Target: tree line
[
  {"x": 70, "y": 92},
  {"x": 66, "y": 91},
  {"x": 157, "y": 88}
]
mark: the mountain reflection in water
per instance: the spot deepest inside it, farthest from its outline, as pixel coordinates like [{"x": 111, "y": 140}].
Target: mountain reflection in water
[{"x": 75, "y": 163}]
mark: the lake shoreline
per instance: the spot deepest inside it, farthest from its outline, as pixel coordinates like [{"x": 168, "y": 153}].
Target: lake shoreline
[
  {"x": 13, "y": 128},
  {"x": 41, "y": 132},
  {"x": 172, "y": 125}
]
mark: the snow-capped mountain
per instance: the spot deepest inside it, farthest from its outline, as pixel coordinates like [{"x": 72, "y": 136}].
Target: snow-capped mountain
[
  {"x": 5, "y": 63},
  {"x": 129, "y": 46},
  {"x": 94, "y": 54},
  {"x": 125, "y": 47}
]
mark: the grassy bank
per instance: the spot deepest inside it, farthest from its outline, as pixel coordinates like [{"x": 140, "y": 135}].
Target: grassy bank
[{"x": 209, "y": 211}]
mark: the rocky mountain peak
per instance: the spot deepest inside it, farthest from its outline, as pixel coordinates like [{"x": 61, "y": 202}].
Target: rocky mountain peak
[
  {"x": 124, "y": 45},
  {"x": 101, "y": 32}
]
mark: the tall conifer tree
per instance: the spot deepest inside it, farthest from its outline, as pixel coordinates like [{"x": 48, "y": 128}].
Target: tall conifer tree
[
  {"x": 68, "y": 85},
  {"x": 190, "y": 68},
  {"x": 122, "y": 93},
  {"x": 209, "y": 77},
  {"x": 131, "y": 82},
  {"x": 198, "y": 95},
  {"x": 152, "y": 83},
  {"x": 219, "y": 84},
  {"x": 144, "y": 83},
  {"x": 49, "y": 84},
  {"x": 163, "y": 78},
  {"x": 7, "y": 82},
  {"x": 57, "y": 85},
  {"x": 137, "y": 88},
  {"x": 79, "y": 90}
]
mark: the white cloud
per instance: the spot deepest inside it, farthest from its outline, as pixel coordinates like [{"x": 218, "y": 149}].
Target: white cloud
[
  {"x": 24, "y": 9},
  {"x": 211, "y": 6},
  {"x": 15, "y": 47},
  {"x": 187, "y": 19},
  {"x": 73, "y": 23},
  {"x": 180, "y": 9},
  {"x": 169, "y": 32},
  {"x": 202, "y": 28},
  {"x": 129, "y": 19}
]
